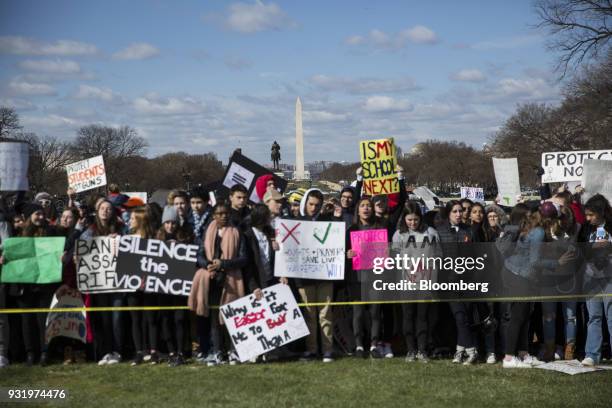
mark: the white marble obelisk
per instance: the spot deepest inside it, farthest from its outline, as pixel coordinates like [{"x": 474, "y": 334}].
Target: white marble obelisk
[{"x": 299, "y": 142}]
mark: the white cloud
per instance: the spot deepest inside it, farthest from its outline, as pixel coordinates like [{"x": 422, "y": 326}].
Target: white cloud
[
  {"x": 152, "y": 104},
  {"x": 92, "y": 92},
  {"x": 320, "y": 116},
  {"x": 536, "y": 88},
  {"x": 508, "y": 42},
  {"x": 469, "y": 75},
  {"x": 31, "y": 88},
  {"x": 419, "y": 35},
  {"x": 363, "y": 85},
  {"x": 51, "y": 66},
  {"x": 137, "y": 51},
  {"x": 252, "y": 18},
  {"x": 49, "y": 121},
  {"x": 379, "y": 39},
  {"x": 27, "y": 46},
  {"x": 386, "y": 104}
]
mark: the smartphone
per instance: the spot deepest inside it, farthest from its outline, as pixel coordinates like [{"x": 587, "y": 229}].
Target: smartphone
[{"x": 601, "y": 233}]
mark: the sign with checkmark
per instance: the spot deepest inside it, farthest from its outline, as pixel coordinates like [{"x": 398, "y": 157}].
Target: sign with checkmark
[{"x": 310, "y": 250}]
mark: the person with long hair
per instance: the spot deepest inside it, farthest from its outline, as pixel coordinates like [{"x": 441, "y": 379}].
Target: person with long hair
[
  {"x": 363, "y": 219},
  {"x": 478, "y": 223},
  {"x": 219, "y": 280},
  {"x": 107, "y": 326},
  {"x": 174, "y": 322},
  {"x": 415, "y": 239},
  {"x": 597, "y": 233}
]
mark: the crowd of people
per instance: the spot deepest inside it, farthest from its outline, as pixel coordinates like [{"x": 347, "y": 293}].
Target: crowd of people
[{"x": 237, "y": 246}]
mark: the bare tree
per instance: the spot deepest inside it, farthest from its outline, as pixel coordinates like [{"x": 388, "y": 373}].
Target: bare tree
[
  {"x": 112, "y": 143},
  {"x": 9, "y": 121},
  {"x": 579, "y": 28}
]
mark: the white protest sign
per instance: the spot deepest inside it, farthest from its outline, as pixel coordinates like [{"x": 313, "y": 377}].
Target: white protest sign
[
  {"x": 142, "y": 195},
  {"x": 426, "y": 195},
  {"x": 96, "y": 265},
  {"x": 86, "y": 174},
  {"x": 14, "y": 166},
  {"x": 507, "y": 179},
  {"x": 310, "y": 249},
  {"x": 568, "y": 166},
  {"x": 597, "y": 178},
  {"x": 66, "y": 324},
  {"x": 473, "y": 193},
  {"x": 571, "y": 367},
  {"x": 259, "y": 326}
]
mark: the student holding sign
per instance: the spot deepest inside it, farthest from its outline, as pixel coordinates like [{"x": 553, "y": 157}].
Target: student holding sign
[
  {"x": 364, "y": 220},
  {"x": 34, "y": 295},
  {"x": 220, "y": 280}
]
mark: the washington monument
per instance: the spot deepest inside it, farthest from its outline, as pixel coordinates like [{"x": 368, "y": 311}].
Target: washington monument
[{"x": 299, "y": 143}]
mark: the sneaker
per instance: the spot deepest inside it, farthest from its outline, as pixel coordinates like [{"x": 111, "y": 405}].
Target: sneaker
[
  {"x": 472, "y": 358},
  {"x": 491, "y": 358},
  {"x": 138, "y": 359},
  {"x": 376, "y": 352},
  {"x": 105, "y": 359},
  {"x": 215, "y": 359},
  {"x": 328, "y": 358},
  {"x": 532, "y": 360},
  {"x": 115, "y": 358},
  {"x": 176, "y": 360},
  {"x": 387, "y": 351},
  {"x": 359, "y": 352},
  {"x": 233, "y": 358},
  {"x": 410, "y": 357},
  {"x": 154, "y": 358},
  {"x": 147, "y": 357},
  {"x": 458, "y": 358},
  {"x": 4, "y": 362},
  {"x": 588, "y": 362},
  {"x": 515, "y": 362},
  {"x": 307, "y": 356},
  {"x": 422, "y": 357}
]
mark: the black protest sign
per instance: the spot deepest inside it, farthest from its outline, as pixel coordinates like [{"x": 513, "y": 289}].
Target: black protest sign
[
  {"x": 156, "y": 266},
  {"x": 242, "y": 170}
]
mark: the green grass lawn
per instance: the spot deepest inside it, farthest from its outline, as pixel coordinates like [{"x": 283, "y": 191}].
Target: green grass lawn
[{"x": 346, "y": 382}]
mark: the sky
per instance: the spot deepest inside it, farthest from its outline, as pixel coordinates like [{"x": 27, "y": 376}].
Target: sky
[{"x": 211, "y": 76}]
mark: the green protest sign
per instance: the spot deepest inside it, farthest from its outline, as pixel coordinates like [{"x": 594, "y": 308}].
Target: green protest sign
[{"x": 33, "y": 260}]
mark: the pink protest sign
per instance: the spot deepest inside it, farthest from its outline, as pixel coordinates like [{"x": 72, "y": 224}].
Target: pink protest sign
[{"x": 365, "y": 253}]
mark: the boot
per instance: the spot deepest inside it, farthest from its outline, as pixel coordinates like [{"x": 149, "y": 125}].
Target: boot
[
  {"x": 570, "y": 351},
  {"x": 549, "y": 352}
]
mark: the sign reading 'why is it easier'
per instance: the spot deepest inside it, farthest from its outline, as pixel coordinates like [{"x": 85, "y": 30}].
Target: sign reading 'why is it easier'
[
  {"x": 86, "y": 174},
  {"x": 259, "y": 326},
  {"x": 378, "y": 164}
]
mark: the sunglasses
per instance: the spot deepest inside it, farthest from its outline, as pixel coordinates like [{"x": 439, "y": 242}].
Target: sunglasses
[{"x": 44, "y": 202}]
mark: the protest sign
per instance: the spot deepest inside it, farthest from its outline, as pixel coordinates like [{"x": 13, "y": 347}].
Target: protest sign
[
  {"x": 571, "y": 367},
  {"x": 310, "y": 250},
  {"x": 259, "y": 326},
  {"x": 96, "y": 265},
  {"x": 507, "y": 179},
  {"x": 242, "y": 170},
  {"x": 142, "y": 195},
  {"x": 33, "y": 260},
  {"x": 568, "y": 166},
  {"x": 86, "y": 174},
  {"x": 14, "y": 166},
  {"x": 365, "y": 252},
  {"x": 431, "y": 200},
  {"x": 66, "y": 324},
  {"x": 473, "y": 193},
  {"x": 597, "y": 179},
  {"x": 378, "y": 163},
  {"x": 155, "y": 266}
]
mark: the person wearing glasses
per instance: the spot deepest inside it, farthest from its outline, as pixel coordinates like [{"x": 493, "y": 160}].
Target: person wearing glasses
[{"x": 46, "y": 202}]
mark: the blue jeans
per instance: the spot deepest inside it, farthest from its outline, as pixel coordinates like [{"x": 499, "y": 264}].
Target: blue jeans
[
  {"x": 549, "y": 317},
  {"x": 598, "y": 309}
]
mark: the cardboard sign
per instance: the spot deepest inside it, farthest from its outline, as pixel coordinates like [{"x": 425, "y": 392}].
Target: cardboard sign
[
  {"x": 97, "y": 262},
  {"x": 242, "y": 170},
  {"x": 568, "y": 166},
  {"x": 361, "y": 243},
  {"x": 259, "y": 326},
  {"x": 473, "y": 193},
  {"x": 597, "y": 179},
  {"x": 507, "y": 179},
  {"x": 86, "y": 174},
  {"x": 571, "y": 367},
  {"x": 310, "y": 250},
  {"x": 378, "y": 161},
  {"x": 66, "y": 324},
  {"x": 33, "y": 260},
  {"x": 14, "y": 158},
  {"x": 156, "y": 266}
]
